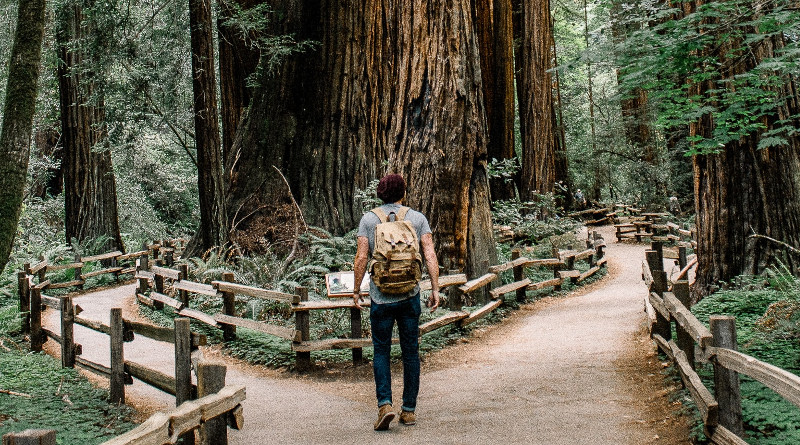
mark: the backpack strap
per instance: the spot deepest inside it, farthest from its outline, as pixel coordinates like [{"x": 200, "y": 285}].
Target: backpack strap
[
  {"x": 380, "y": 214},
  {"x": 401, "y": 214}
]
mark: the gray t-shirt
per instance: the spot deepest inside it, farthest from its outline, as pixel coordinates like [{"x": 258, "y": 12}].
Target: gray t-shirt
[{"x": 366, "y": 228}]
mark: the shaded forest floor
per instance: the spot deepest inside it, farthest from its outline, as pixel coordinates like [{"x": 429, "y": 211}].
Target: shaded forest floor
[{"x": 575, "y": 369}]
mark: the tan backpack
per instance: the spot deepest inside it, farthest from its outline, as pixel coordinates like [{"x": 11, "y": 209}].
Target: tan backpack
[{"x": 396, "y": 265}]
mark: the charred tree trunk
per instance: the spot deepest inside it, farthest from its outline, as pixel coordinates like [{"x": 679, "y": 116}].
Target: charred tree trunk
[
  {"x": 213, "y": 217},
  {"x": 90, "y": 191},
  {"x": 237, "y": 62},
  {"x": 536, "y": 101},
  {"x": 744, "y": 190},
  {"x": 18, "y": 111},
  {"x": 493, "y": 22},
  {"x": 394, "y": 86}
]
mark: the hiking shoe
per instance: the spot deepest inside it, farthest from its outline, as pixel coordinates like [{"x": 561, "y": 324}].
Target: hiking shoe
[
  {"x": 408, "y": 418},
  {"x": 385, "y": 417}
]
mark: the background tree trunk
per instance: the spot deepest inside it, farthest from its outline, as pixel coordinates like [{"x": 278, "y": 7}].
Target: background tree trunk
[
  {"x": 493, "y": 22},
  {"x": 90, "y": 192},
  {"x": 394, "y": 86},
  {"x": 536, "y": 101},
  {"x": 18, "y": 111},
  {"x": 213, "y": 217}
]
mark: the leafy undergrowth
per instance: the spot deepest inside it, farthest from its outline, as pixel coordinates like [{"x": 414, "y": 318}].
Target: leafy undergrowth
[
  {"x": 54, "y": 398},
  {"x": 768, "y": 328}
]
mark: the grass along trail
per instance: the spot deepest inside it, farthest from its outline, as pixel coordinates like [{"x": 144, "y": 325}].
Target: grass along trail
[{"x": 570, "y": 370}]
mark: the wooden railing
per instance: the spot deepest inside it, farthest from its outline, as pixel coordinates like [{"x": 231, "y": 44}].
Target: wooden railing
[
  {"x": 669, "y": 302},
  {"x": 209, "y": 415},
  {"x": 160, "y": 286}
]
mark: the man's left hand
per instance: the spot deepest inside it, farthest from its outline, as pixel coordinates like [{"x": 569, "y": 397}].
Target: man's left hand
[{"x": 433, "y": 301}]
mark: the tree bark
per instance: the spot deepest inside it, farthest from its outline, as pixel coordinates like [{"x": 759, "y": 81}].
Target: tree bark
[
  {"x": 237, "y": 62},
  {"x": 90, "y": 191},
  {"x": 213, "y": 217},
  {"x": 18, "y": 111},
  {"x": 394, "y": 86},
  {"x": 536, "y": 101},
  {"x": 493, "y": 22},
  {"x": 744, "y": 190}
]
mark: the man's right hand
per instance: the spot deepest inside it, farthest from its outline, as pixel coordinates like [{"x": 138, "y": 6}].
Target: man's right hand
[{"x": 357, "y": 299}]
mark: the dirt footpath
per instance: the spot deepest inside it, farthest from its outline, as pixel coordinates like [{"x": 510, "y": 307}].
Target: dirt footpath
[{"x": 571, "y": 370}]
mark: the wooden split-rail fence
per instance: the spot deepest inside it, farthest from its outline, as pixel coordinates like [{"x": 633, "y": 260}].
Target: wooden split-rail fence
[
  {"x": 655, "y": 227},
  {"x": 163, "y": 286},
  {"x": 121, "y": 371},
  {"x": 669, "y": 302}
]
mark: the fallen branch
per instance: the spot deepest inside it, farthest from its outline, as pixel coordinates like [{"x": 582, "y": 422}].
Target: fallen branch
[
  {"x": 13, "y": 393},
  {"x": 792, "y": 249}
]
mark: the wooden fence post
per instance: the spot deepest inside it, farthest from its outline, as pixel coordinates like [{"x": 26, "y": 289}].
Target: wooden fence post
[
  {"x": 684, "y": 338},
  {"x": 78, "y": 271},
  {"x": 228, "y": 308},
  {"x": 183, "y": 361},
  {"x": 144, "y": 264},
  {"x": 184, "y": 275},
  {"x": 519, "y": 274},
  {"x": 36, "y": 320},
  {"x": 42, "y": 274},
  {"x": 211, "y": 380},
  {"x": 455, "y": 300},
  {"x": 31, "y": 437},
  {"x": 156, "y": 259},
  {"x": 67, "y": 332},
  {"x": 24, "y": 290},
  {"x": 662, "y": 326},
  {"x": 355, "y": 332},
  {"x": 117, "y": 383},
  {"x": 302, "y": 324},
  {"x": 682, "y": 259},
  {"x": 726, "y": 381},
  {"x": 556, "y": 268}
]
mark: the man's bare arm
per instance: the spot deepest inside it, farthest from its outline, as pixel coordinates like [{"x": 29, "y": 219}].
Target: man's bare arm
[
  {"x": 433, "y": 269},
  {"x": 359, "y": 269}
]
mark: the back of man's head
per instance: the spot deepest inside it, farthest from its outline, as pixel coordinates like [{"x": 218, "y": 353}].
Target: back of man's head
[{"x": 391, "y": 188}]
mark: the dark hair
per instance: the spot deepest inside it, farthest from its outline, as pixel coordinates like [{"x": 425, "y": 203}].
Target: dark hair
[{"x": 391, "y": 188}]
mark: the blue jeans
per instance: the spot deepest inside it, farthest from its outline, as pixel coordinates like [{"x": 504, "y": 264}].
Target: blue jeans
[{"x": 382, "y": 318}]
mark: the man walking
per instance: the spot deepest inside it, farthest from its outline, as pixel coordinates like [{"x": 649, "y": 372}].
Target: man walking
[{"x": 389, "y": 239}]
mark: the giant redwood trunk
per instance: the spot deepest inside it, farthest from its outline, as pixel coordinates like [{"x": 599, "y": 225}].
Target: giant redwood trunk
[
  {"x": 211, "y": 185},
  {"x": 90, "y": 191},
  {"x": 237, "y": 62},
  {"x": 18, "y": 111},
  {"x": 743, "y": 190},
  {"x": 393, "y": 86},
  {"x": 536, "y": 100},
  {"x": 493, "y": 23}
]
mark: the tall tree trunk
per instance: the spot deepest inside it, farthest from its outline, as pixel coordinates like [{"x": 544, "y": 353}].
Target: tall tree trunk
[
  {"x": 563, "y": 187},
  {"x": 213, "y": 217},
  {"x": 18, "y": 111},
  {"x": 493, "y": 22},
  {"x": 394, "y": 86},
  {"x": 90, "y": 191},
  {"x": 743, "y": 190},
  {"x": 596, "y": 164},
  {"x": 536, "y": 101},
  {"x": 237, "y": 62}
]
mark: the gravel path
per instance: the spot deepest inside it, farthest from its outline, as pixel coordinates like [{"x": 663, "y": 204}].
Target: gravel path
[{"x": 571, "y": 370}]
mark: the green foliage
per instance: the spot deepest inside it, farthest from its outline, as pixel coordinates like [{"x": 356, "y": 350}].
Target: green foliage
[
  {"x": 669, "y": 50},
  {"x": 537, "y": 219},
  {"x": 61, "y": 399},
  {"x": 768, "y": 418}
]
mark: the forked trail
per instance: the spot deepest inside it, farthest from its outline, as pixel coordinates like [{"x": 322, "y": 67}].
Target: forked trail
[{"x": 573, "y": 370}]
